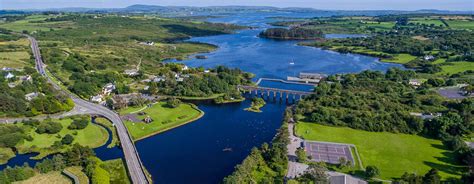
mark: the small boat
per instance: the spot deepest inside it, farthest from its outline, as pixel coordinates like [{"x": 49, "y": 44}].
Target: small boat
[
  {"x": 227, "y": 149},
  {"x": 201, "y": 57},
  {"x": 292, "y": 63}
]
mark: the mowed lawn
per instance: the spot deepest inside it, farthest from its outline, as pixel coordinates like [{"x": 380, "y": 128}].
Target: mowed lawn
[
  {"x": 164, "y": 118},
  {"x": 93, "y": 136},
  {"x": 393, "y": 154}
]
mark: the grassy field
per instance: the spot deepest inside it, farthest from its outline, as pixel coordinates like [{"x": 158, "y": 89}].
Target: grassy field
[
  {"x": 92, "y": 136},
  {"x": 117, "y": 171},
  {"x": 461, "y": 24},
  {"x": 456, "y": 67},
  {"x": 427, "y": 21},
  {"x": 400, "y": 59},
  {"x": 49, "y": 178},
  {"x": 77, "y": 171},
  {"x": 392, "y": 153},
  {"x": 14, "y": 54},
  {"x": 33, "y": 23},
  {"x": 164, "y": 118}
]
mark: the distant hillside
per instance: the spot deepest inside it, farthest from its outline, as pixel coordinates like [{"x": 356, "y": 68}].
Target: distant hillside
[{"x": 189, "y": 10}]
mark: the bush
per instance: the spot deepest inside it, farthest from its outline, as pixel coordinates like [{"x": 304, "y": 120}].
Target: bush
[
  {"x": 67, "y": 139},
  {"x": 78, "y": 124},
  {"x": 49, "y": 127},
  {"x": 371, "y": 171},
  {"x": 173, "y": 103}
]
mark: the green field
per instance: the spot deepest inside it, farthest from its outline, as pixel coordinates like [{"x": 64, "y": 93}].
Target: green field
[
  {"x": 392, "y": 153},
  {"x": 400, "y": 58},
  {"x": 93, "y": 136},
  {"x": 54, "y": 177},
  {"x": 164, "y": 118},
  {"x": 461, "y": 24},
  {"x": 36, "y": 23},
  {"x": 456, "y": 67},
  {"x": 436, "y": 22}
]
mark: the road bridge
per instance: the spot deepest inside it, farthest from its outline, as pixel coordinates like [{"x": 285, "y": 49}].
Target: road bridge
[{"x": 275, "y": 92}]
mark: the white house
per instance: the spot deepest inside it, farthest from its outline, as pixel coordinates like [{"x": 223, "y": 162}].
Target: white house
[
  {"x": 108, "y": 88},
  {"x": 7, "y": 69},
  {"x": 96, "y": 99},
  {"x": 415, "y": 82},
  {"x": 131, "y": 72},
  {"x": 185, "y": 67},
  {"x": 207, "y": 71},
  {"x": 31, "y": 96},
  {"x": 159, "y": 79},
  {"x": 9, "y": 76},
  {"x": 429, "y": 57}
]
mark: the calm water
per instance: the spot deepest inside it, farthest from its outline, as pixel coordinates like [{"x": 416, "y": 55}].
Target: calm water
[{"x": 193, "y": 153}]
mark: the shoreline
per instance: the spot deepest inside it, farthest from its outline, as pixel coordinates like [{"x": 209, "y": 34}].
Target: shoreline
[{"x": 201, "y": 114}]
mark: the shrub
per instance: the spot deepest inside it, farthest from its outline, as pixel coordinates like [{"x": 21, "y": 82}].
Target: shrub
[
  {"x": 49, "y": 127},
  {"x": 67, "y": 139},
  {"x": 78, "y": 124}
]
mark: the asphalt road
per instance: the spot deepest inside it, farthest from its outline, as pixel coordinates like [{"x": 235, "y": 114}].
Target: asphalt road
[{"x": 133, "y": 162}]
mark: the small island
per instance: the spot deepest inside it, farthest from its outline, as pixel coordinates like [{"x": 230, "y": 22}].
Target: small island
[
  {"x": 257, "y": 103},
  {"x": 292, "y": 34}
]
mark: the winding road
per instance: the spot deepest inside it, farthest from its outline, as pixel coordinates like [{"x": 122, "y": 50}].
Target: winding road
[{"x": 134, "y": 164}]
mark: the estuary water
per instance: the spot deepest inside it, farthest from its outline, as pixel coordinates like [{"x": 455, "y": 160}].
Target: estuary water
[
  {"x": 194, "y": 152},
  {"x": 207, "y": 150}
]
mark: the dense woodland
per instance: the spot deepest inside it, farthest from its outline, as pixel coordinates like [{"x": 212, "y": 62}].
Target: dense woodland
[{"x": 291, "y": 34}]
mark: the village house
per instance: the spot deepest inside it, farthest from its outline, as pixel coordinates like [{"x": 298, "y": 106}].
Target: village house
[
  {"x": 7, "y": 69},
  {"x": 415, "y": 82},
  {"x": 107, "y": 89},
  {"x": 131, "y": 72},
  {"x": 159, "y": 79},
  {"x": 185, "y": 67},
  {"x": 207, "y": 71},
  {"x": 428, "y": 57},
  {"x": 26, "y": 78},
  {"x": 31, "y": 96},
  {"x": 9, "y": 75},
  {"x": 149, "y": 43},
  {"x": 96, "y": 99}
]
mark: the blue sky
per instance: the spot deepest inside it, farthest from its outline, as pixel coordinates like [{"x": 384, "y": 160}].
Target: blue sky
[{"x": 318, "y": 4}]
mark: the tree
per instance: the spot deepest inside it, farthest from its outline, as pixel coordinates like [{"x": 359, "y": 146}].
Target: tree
[
  {"x": 371, "y": 171},
  {"x": 173, "y": 103},
  {"x": 67, "y": 139},
  {"x": 315, "y": 174},
  {"x": 301, "y": 155},
  {"x": 78, "y": 124},
  {"x": 49, "y": 127},
  {"x": 432, "y": 177}
]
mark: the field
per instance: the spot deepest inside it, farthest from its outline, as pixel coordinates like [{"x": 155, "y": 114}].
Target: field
[
  {"x": 105, "y": 122},
  {"x": 93, "y": 136},
  {"x": 461, "y": 24},
  {"x": 14, "y": 54},
  {"x": 49, "y": 178},
  {"x": 400, "y": 59},
  {"x": 35, "y": 23},
  {"x": 164, "y": 118},
  {"x": 456, "y": 67},
  {"x": 392, "y": 153}
]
